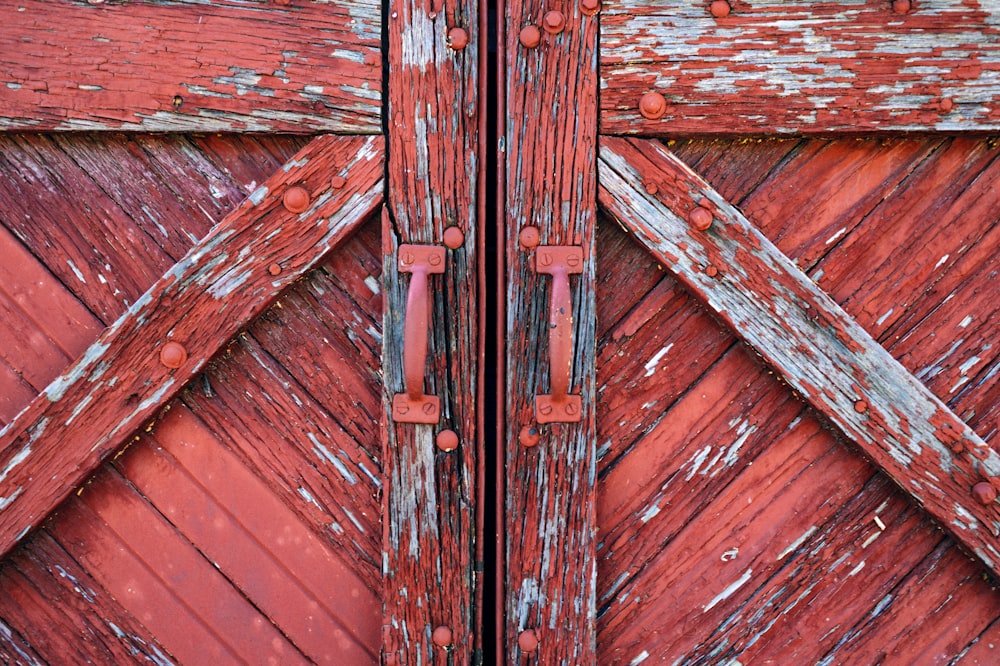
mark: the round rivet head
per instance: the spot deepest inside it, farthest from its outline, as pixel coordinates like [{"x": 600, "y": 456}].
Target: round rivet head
[
  {"x": 530, "y": 36},
  {"x": 720, "y": 8},
  {"x": 274, "y": 269},
  {"x": 458, "y": 38},
  {"x": 529, "y": 237},
  {"x": 442, "y": 636},
  {"x": 453, "y": 238},
  {"x": 173, "y": 355},
  {"x": 338, "y": 182},
  {"x": 653, "y": 105},
  {"x": 946, "y": 105},
  {"x": 861, "y": 406},
  {"x": 529, "y": 436},
  {"x": 527, "y": 640},
  {"x": 554, "y": 22},
  {"x": 296, "y": 199},
  {"x": 711, "y": 271},
  {"x": 984, "y": 492},
  {"x": 700, "y": 218},
  {"x": 901, "y": 6},
  {"x": 447, "y": 440}
]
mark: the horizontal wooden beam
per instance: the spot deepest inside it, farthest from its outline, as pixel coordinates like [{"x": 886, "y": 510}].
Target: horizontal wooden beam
[
  {"x": 185, "y": 318},
  {"x": 192, "y": 66},
  {"x": 773, "y": 66},
  {"x": 803, "y": 334}
]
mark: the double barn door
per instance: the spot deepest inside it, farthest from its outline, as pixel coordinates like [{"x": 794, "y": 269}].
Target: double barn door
[{"x": 252, "y": 411}]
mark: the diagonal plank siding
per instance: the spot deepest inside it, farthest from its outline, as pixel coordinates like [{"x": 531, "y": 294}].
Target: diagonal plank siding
[
  {"x": 690, "y": 485},
  {"x": 188, "y": 66},
  {"x": 787, "y": 67}
]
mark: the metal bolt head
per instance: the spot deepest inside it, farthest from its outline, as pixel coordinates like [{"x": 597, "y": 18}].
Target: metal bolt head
[
  {"x": 720, "y": 8},
  {"x": 529, "y": 436},
  {"x": 529, "y": 238},
  {"x": 173, "y": 355},
  {"x": 653, "y": 105},
  {"x": 442, "y": 636},
  {"x": 984, "y": 492},
  {"x": 453, "y": 237},
  {"x": 711, "y": 271},
  {"x": 338, "y": 182},
  {"x": 527, "y": 640},
  {"x": 296, "y": 199},
  {"x": 554, "y": 22},
  {"x": 530, "y": 36},
  {"x": 446, "y": 440},
  {"x": 651, "y": 187},
  {"x": 458, "y": 38},
  {"x": 700, "y": 218},
  {"x": 901, "y": 6},
  {"x": 861, "y": 406},
  {"x": 590, "y": 7},
  {"x": 274, "y": 269}
]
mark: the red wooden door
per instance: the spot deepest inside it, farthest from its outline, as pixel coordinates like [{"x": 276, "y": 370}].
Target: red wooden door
[
  {"x": 224, "y": 473},
  {"x": 785, "y": 347}
]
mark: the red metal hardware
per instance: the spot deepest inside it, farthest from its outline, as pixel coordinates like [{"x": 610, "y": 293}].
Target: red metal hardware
[
  {"x": 414, "y": 406},
  {"x": 559, "y": 261}
]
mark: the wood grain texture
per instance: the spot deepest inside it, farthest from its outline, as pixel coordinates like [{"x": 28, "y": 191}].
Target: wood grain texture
[
  {"x": 550, "y": 522},
  {"x": 826, "y": 356},
  {"x": 430, "y": 569},
  {"x": 218, "y": 287},
  {"x": 776, "y": 67},
  {"x": 187, "y": 66}
]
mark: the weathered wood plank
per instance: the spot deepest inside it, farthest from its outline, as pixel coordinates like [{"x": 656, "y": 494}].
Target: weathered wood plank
[
  {"x": 297, "y": 580},
  {"x": 155, "y": 573},
  {"x": 778, "y": 67},
  {"x": 62, "y": 614},
  {"x": 550, "y": 520},
  {"x": 227, "y": 279},
  {"x": 827, "y": 357},
  {"x": 190, "y": 66},
  {"x": 430, "y": 534}
]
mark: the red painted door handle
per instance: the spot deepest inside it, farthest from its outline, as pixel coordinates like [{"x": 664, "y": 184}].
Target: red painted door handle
[
  {"x": 559, "y": 261},
  {"x": 415, "y": 406}
]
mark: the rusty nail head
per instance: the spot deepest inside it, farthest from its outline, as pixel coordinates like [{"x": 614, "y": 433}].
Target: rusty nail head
[
  {"x": 338, "y": 182},
  {"x": 529, "y": 436},
  {"x": 527, "y": 640},
  {"x": 651, "y": 188},
  {"x": 453, "y": 237},
  {"x": 590, "y": 7},
  {"x": 720, "y": 8},
  {"x": 946, "y": 105},
  {"x": 447, "y": 440},
  {"x": 984, "y": 492},
  {"x": 554, "y": 22},
  {"x": 173, "y": 355},
  {"x": 700, "y": 218},
  {"x": 901, "y": 6},
  {"x": 458, "y": 38},
  {"x": 274, "y": 269},
  {"x": 861, "y": 406},
  {"x": 296, "y": 199},
  {"x": 530, "y": 36},
  {"x": 653, "y": 105},
  {"x": 711, "y": 271},
  {"x": 529, "y": 237},
  {"x": 177, "y": 101},
  {"x": 442, "y": 636}
]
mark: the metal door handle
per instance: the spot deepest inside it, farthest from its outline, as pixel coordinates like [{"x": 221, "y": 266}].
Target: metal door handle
[
  {"x": 415, "y": 406},
  {"x": 559, "y": 261}
]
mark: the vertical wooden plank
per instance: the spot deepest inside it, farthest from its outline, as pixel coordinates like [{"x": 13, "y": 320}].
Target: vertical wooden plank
[
  {"x": 429, "y": 525},
  {"x": 550, "y": 524}
]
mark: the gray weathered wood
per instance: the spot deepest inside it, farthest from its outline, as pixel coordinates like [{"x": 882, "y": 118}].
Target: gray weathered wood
[
  {"x": 819, "y": 350},
  {"x": 774, "y": 66},
  {"x": 226, "y": 280}
]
